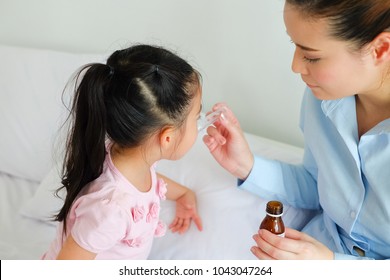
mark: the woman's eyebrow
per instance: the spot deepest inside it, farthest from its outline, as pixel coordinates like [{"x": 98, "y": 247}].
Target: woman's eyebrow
[
  {"x": 302, "y": 46},
  {"x": 306, "y": 48}
]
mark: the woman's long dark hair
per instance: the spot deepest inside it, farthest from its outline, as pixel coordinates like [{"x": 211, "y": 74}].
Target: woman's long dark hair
[{"x": 140, "y": 90}]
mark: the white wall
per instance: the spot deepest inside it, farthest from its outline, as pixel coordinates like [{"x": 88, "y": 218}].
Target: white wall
[{"x": 240, "y": 47}]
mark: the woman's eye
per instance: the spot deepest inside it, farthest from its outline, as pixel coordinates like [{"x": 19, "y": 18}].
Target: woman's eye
[{"x": 311, "y": 60}]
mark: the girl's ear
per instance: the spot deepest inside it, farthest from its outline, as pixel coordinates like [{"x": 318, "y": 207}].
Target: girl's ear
[
  {"x": 381, "y": 47},
  {"x": 167, "y": 138}
]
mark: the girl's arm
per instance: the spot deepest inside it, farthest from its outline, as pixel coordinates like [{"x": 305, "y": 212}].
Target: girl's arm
[
  {"x": 174, "y": 189},
  {"x": 186, "y": 209},
  {"x": 72, "y": 251}
]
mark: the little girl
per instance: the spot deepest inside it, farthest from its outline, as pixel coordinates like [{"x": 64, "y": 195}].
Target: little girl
[{"x": 140, "y": 107}]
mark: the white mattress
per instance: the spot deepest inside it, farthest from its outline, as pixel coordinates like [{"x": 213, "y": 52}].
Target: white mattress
[{"x": 230, "y": 216}]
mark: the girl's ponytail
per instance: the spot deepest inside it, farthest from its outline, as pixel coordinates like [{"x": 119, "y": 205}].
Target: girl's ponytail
[{"x": 85, "y": 146}]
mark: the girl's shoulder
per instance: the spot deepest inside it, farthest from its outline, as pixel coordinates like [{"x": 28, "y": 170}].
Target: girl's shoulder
[{"x": 121, "y": 192}]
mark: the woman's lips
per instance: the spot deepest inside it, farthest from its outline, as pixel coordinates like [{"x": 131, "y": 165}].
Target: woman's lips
[{"x": 311, "y": 86}]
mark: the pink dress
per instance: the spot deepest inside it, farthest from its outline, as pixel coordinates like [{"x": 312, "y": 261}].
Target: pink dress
[{"x": 113, "y": 218}]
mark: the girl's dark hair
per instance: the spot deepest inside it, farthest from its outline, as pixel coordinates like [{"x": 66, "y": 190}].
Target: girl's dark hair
[
  {"x": 138, "y": 92},
  {"x": 358, "y": 21}
]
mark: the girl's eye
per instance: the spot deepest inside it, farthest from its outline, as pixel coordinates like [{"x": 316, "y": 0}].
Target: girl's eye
[{"x": 311, "y": 60}]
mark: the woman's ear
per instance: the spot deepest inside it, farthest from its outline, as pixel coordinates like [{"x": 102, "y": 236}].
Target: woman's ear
[{"x": 381, "y": 47}]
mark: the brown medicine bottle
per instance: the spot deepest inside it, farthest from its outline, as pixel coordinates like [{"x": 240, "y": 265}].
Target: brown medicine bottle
[{"x": 273, "y": 219}]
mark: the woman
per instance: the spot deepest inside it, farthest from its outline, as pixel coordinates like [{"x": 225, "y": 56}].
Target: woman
[{"x": 343, "y": 55}]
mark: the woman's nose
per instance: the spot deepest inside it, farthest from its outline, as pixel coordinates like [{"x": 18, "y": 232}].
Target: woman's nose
[{"x": 298, "y": 65}]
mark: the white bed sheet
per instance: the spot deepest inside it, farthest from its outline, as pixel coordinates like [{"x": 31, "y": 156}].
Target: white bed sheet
[{"x": 230, "y": 216}]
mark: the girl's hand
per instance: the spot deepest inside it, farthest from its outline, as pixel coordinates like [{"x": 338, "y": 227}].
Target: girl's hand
[
  {"x": 186, "y": 209},
  {"x": 227, "y": 143},
  {"x": 295, "y": 245},
  {"x": 185, "y": 212}
]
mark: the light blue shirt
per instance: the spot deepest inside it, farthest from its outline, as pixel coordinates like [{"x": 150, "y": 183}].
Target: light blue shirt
[{"x": 346, "y": 179}]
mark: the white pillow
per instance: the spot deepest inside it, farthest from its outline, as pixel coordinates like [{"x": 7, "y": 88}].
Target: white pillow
[
  {"x": 45, "y": 204},
  {"x": 31, "y": 110},
  {"x": 230, "y": 216}
]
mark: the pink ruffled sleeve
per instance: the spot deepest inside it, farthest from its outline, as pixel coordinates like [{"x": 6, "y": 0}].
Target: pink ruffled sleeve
[{"x": 99, "y": 225}]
